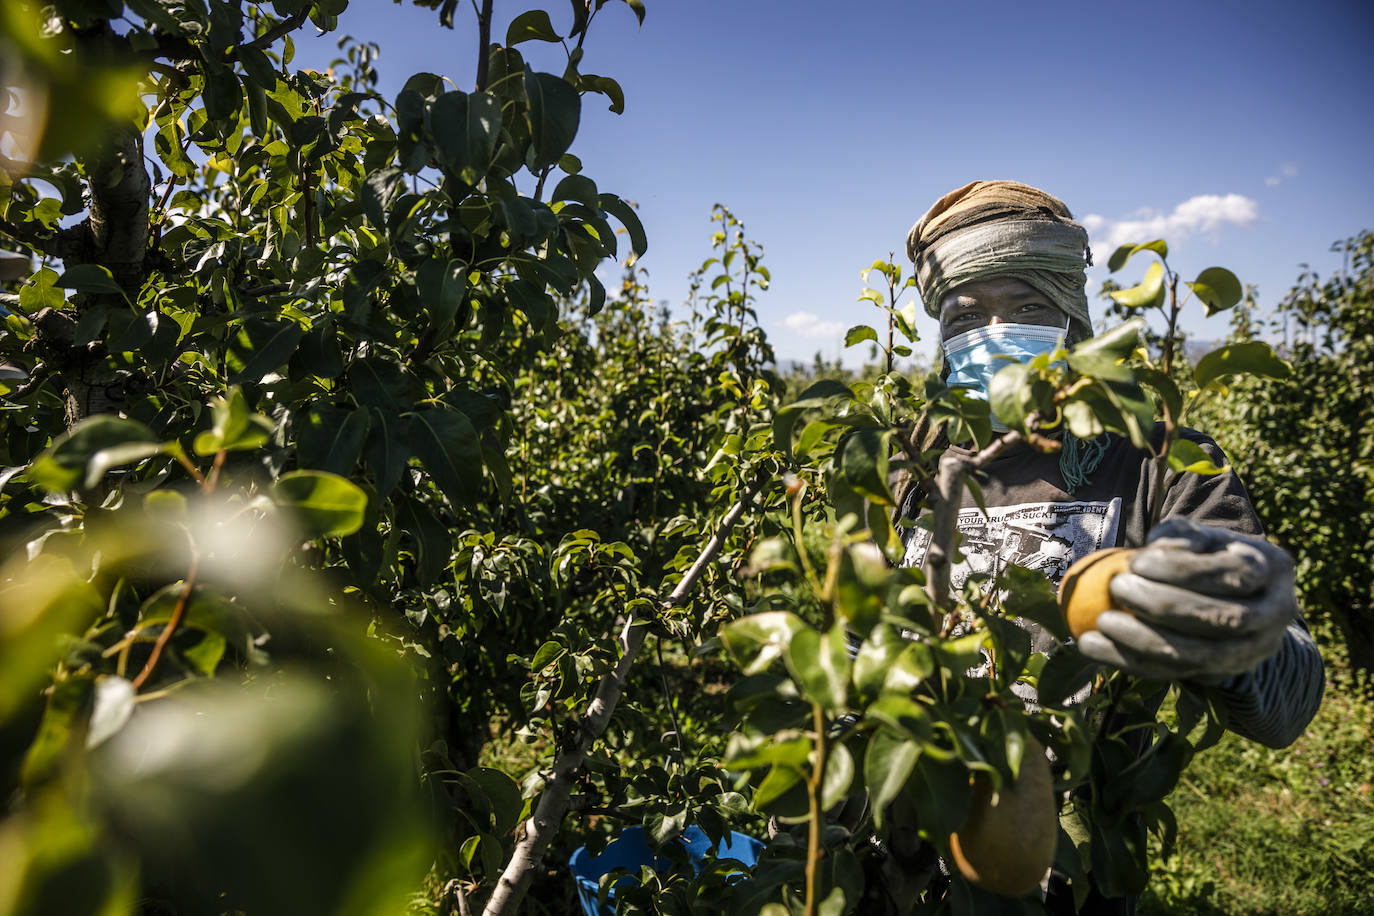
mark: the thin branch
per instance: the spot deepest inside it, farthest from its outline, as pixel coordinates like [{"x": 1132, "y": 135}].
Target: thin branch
[
  {"x": 553, "y": 801},
  {"x": 36, "y": 378},
  {"x": 255, "y": 292},
  {"x": 171, "y": 627},
  {"x": 285, "y": 27},
  {"x": 949, "y": 482}
]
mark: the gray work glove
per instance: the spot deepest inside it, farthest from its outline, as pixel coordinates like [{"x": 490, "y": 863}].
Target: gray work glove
[{"x": 1208, "y": 603}]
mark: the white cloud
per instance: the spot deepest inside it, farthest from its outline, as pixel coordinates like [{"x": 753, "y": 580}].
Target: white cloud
[
  {"x": 808, "y": 324},
  {"x": 1205, "y": 213}
]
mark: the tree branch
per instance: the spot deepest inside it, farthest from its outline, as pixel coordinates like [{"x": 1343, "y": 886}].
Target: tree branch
[
  {"x": 483, "y": 44},
  {"x": 553, "y": 801},
  {"x": 949, "y": 482},
  {"x": 285, "y": 27}
]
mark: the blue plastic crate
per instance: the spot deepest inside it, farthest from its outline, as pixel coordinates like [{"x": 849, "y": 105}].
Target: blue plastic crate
[{"x": 630, "y": 850}]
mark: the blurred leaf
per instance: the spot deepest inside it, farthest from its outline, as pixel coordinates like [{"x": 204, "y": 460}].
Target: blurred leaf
[
  {"x": 1186, "y": 456},
  {"x": 325, "y": 505},
  {"x": 89, "y": 278},
  {"x": 1253, "y": 357},
  {"x": 755, "y": 641},
  {"x": 72, "y": 459},
  {"x": 858, "y": 334},
  {"x": 1123, "y": 253},
  {"x": 819, "y": 662},
  {"x": 887, "y": 766},
  {"x": 1064, "y": 675},
  {"x": 234, "y": 427},
  {"x": 1029, "y": 595},
  {"x": 1218, "y": 289},
  {"x": 114, "y": 704},
  {"x": 43, "y": 598},
  {"x": 1148, "y": 293},
  {"x": 865, "y": 464},
  {"x": 839, "y": 775}
]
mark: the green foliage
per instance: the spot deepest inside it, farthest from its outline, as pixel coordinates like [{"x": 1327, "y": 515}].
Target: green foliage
[{"x": 1305, "y": 446}]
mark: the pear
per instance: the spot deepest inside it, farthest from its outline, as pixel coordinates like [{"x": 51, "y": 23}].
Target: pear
[
  {"x": 1085, "y": 590},
  {"x": 1007, "y": 844}
]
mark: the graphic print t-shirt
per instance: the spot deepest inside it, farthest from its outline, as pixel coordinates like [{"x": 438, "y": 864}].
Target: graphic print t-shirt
[{"x": 1047, "y": 537}]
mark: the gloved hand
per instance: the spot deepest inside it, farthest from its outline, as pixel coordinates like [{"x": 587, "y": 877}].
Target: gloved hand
[{"x": 1208, "y": 603}]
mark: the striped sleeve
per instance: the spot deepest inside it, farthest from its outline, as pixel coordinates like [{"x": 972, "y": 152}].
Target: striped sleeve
[{"x": 1273, "y": 703}]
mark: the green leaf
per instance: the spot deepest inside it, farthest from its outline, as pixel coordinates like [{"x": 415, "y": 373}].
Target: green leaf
[
  {"x": 433, "y": 543},
  {"x": 234, "y": 428},
  {"x": 622, "y": 211},
  {"x": 1008, "y": 394},
  {"x": 386, "y": 451},
  {"x": 65, "y": 464},
  {"x": 325, "y": 505},
  {"x": 47, "y": 598},
  {"x": 1186, "y": 456},
  {"x": 531, "y": 25},
  {"x": 444, "y": 440},
  {"x": 819, "y": 662},
  {"x": 331, "y": 438},
  {"x": 1253, "y": 357},
  {"x": 838, "y": 776},
  {"x": 754, "y": 642},
  {"x": 1064, "y": 675},
  {"x": 40, "y": 292},
  {"x": 114, "y": 704},
  {"x": 888, "y": 763},
  {"x": 1218, "y": 289},
  {"x": 89, "y": 278},
  {"x": 903, "y": 715},
  {"x": 1031, "y": 596},
  {"x": 1123, "y": 253},
  {"x": 590, "y": 82},
  {"x": 665, "y": 826},
  {"x": 1150, "y": 777},
  {"x": 442, "y": 287},
  {"x": 865, "y": 464},
  {"x": 120, "y": 455},
  {"x": 1117, "y": 343},
  {"x": 381, "y": 383},
  {"x": 1163, "y": 386},
  {"x": 467, "y": 129},
  {"x": 265, "y": 347},
  {"x": 875, "y": 657},
  {"x": 858, "y": 334},
  {"x": 555, "y": 109},
  {"x": 861, "y": 587},
  {"x": 787, "y": 748},
  {"x": 1148, "y": 293},
  {"x": 940, "y": 792}
]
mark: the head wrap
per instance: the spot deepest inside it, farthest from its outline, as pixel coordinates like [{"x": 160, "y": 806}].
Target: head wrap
[{"x": 1003, "y": 229}]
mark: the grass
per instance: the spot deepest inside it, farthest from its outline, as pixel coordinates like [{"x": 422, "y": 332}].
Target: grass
[{"x": 1287, "y": 831}]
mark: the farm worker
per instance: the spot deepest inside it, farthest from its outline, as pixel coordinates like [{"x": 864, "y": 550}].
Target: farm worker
[{"x": 1001, "y": 265}]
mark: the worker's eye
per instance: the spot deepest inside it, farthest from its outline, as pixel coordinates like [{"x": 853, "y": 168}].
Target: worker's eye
[{"x": 1032, "y": 308}]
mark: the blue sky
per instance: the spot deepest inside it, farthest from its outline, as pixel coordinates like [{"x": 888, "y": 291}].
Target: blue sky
[{"x": 1239, "y": 132}]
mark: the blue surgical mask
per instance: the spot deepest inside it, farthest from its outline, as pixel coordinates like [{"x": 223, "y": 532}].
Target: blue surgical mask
[{"x": 972, "y": 357}]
